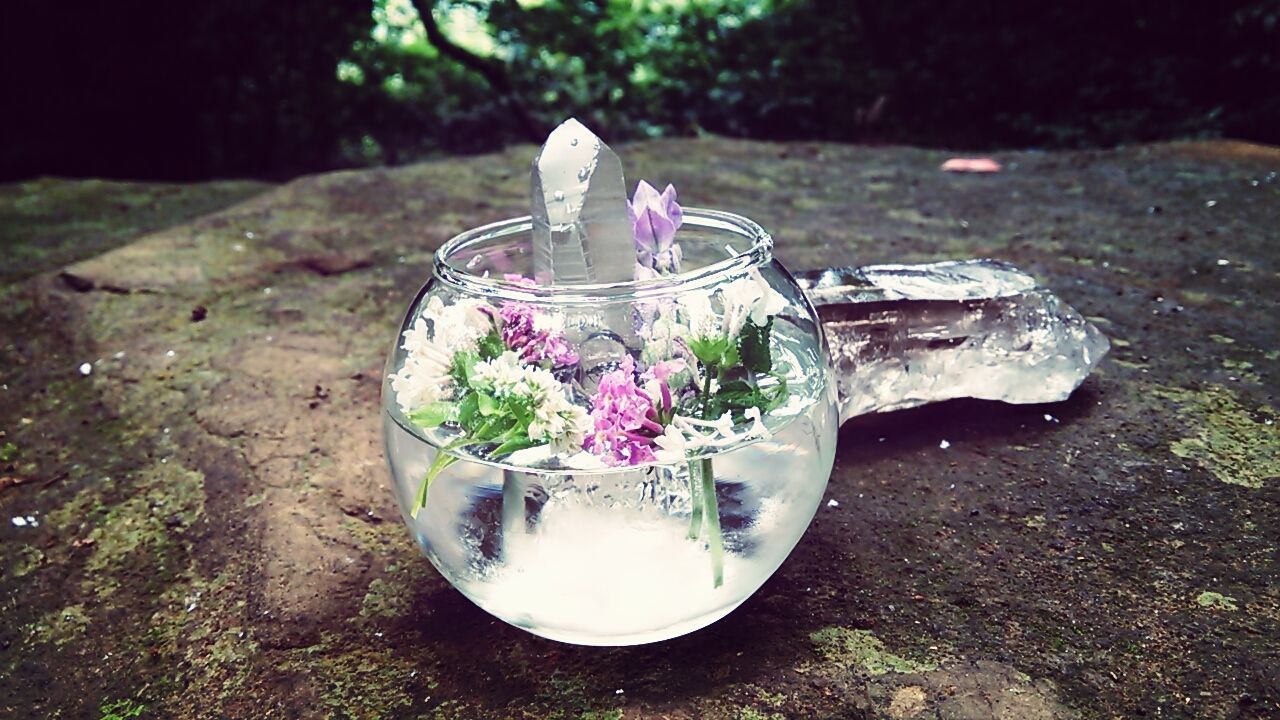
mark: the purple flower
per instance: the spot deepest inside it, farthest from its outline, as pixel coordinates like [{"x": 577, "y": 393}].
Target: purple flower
[
  {"x": 654, "y": 221},
  {"x": 623, "y": 427},
  {"x": 657, "y": 387},
  {"x": 525, "y": 331}
]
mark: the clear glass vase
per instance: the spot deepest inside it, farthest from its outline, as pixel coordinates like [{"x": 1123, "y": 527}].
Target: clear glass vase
[{"x": 610, "y": 464}]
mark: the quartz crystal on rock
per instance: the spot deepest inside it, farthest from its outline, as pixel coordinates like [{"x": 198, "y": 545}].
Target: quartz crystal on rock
[
  {"x": 906, "y": 335},
  {"x": 581, "y": 231}
]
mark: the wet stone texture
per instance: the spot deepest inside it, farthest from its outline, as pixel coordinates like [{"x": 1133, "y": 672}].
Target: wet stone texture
[{"x": 197, "y": 523}]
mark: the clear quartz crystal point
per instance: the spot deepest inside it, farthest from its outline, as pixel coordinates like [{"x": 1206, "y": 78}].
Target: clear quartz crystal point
[
  {"x": 581, "y": 232},
  {"x": 906, "y": 335}
]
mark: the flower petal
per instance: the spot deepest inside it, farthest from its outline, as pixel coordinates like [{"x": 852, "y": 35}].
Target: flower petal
[{"x": 672, "y": 208}]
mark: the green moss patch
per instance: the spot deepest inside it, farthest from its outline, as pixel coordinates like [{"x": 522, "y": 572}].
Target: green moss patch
[
  {"x": 1235, "y": 445},
  {"x": 859, "y": 648},
  {"x": 1216, "y": 601}
]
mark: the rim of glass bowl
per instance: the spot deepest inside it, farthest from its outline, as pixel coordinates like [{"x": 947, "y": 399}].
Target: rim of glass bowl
[{"x": 758, "y": 253}]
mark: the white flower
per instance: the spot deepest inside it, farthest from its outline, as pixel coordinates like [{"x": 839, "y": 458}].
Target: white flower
[
  {"x": 672, "y": 446},
  {"x": 687, "y": 434},
  {"x": 652, "y": 389},
  {"x": 457, "y": 326},
  {"x": 699, "y": 319},
  {"x": 430, "y": 345},
  {"x": 750, "y": 296},
  {"x": 770, "y": 303},
  {"x": 659, "y": 343},
  {"x": 724, "y": 425},
  {"x": 555, "y": 419},
  {"x": 758, "y": 429},
  {"x": 506, "y": 374},
  {"x": 569, "y": 439},
  {"x": 416, "y": 384}
]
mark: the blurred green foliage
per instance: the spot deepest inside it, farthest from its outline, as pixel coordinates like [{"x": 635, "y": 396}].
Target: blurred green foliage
[{"x": 250, "y": 87}]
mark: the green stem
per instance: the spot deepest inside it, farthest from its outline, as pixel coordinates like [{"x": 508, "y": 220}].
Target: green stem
[
  {"x": 695, "y": 503},
  {"x": 444, "y": 458},
  {"x": 706, "y": 394},
  {"x": 710, "y": 504},
  {"x": 711, "y": 510}
]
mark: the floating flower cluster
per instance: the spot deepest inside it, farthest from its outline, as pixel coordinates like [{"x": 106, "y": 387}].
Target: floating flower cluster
[{"x": 624, "y": 419}]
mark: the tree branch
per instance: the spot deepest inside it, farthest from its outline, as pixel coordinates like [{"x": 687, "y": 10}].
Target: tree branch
[{"x": 493, "y": 72}]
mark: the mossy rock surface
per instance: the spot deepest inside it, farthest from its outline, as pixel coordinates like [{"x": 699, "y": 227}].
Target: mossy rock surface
[{"x": 201, "y": 526}]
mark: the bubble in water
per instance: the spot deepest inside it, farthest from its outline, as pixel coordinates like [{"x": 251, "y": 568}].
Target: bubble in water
[{"x": 584, "y": 173}]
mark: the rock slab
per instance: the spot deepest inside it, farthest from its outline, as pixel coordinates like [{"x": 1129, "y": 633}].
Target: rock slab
[{"x": 200, "y": 524}]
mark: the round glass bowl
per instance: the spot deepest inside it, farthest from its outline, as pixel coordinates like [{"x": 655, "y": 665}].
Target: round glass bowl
[{"x": 610, "y": 464}]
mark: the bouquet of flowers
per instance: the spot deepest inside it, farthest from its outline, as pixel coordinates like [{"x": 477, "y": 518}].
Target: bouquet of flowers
[{"x": 506, "y": 379}]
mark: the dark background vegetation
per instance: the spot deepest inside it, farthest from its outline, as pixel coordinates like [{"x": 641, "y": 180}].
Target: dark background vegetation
[{"x": 155, "y": 89}]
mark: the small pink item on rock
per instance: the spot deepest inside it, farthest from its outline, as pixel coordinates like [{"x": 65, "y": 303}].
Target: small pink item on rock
[{"x": 971, "y": 165}]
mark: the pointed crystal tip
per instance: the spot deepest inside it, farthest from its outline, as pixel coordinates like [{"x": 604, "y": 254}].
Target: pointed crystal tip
[{"x": 581, "y": 232}]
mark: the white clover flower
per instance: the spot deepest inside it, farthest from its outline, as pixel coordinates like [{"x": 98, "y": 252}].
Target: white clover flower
[
  {"x": 506, "y": 374},
  {"x": 568, "y": 438},
  {"x": 417, "y": 337},
  {"x": 555, "y": 419}
]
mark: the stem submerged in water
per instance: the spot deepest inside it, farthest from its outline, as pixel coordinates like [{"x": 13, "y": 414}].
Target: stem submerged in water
[
  {"x": 702, "y": 495},
  {"x": 711, "y": 510},
  {"x": 444, "y": 458},
  {"x": 695, "y": 503}
]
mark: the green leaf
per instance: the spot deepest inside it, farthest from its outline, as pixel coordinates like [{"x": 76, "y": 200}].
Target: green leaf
[
  {"x": 468, "y": 409},
  {"x": 753, "y": 345},
  {"x": 494, "y": 428},
  {"x": 735, "y": 395},
  {"x": 709, "y": 351},
  {"x": 490, "y": 346},
  {"x": 778, "y": 394},
  {"x": 433, "y": 414},
  {"x": 487, "y": 403},
  {"x": 464, "y": 365},
  {"x": 731, "y": 358},
  {"x": 520, "y": 442},
  {"x": 521, "y": 409}
]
